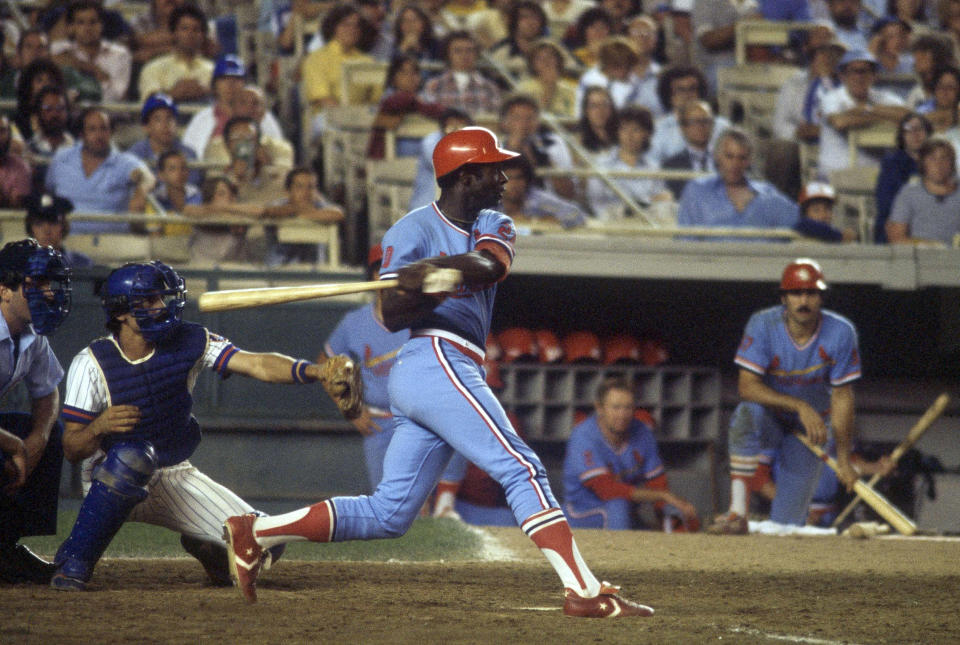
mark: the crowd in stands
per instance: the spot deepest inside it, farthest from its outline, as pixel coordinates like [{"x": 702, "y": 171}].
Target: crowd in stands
[{"x": 130, "y": 107}]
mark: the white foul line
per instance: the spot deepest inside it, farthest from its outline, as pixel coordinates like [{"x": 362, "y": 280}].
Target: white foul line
[{"x": 787, "y": 637}]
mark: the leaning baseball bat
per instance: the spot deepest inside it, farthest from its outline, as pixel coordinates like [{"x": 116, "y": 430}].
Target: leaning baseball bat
[
  {"x": 438, "y": 281},
  {"x": 875, "y": 500},
  {"x": 924, "y": 422}
]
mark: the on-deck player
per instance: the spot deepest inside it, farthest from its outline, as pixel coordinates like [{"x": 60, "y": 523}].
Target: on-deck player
[
  {"x": 797, "y": 364},
  {"x": 127, "y": 412},
  {"x": 438, "y": 394},
  {"x": 34, "y": 301}
]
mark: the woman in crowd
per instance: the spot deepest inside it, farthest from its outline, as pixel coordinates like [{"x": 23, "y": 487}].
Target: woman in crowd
[
  {"x": 598, "y": 121},
  {"x": 588, "y": 33},
  {"x": 929, "y": 211},
  {"x": 526, "y": 23},
  {"x": 941, "y": 108},
  {"x": 400, "y": 100},
  {"x": 898, "y": 166},
  {"x": 413, "y": 35},
  {"x": 546, "y": 80}
]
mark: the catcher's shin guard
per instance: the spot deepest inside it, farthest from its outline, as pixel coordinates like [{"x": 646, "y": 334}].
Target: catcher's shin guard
[{"x": 119, "y": 484}]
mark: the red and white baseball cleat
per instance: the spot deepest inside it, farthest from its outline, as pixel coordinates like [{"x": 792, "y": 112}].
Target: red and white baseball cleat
[
  {"x": 245, "y": 556},
  {"x": 729, "y": 524},
  {"x": 608, "y": 604}
]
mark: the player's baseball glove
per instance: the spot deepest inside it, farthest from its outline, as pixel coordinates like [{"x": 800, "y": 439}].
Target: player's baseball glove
[{"x": 342, "y": 380}]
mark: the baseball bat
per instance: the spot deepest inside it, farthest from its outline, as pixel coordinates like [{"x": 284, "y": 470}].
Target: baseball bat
[
  {"x": 437, "y": 281},
  {"x": 924, "y": 422},
  {"x": 875, "y": 500}
]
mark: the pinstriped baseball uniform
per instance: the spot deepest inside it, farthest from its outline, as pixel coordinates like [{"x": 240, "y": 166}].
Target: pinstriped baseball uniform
[{"x": 180, "y": 497}]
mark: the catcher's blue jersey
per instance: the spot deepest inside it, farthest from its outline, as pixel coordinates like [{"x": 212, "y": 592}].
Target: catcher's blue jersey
[
  {"x": 425, "y": 233},
  {"x": 830, "y": 358}
]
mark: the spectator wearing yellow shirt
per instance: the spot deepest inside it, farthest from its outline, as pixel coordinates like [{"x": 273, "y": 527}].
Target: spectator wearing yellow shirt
[
  {"x": 322, "y": 69},
  {"x": 184, "y": 74}
]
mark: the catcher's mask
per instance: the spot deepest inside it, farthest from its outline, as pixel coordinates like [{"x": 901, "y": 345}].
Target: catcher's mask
[
  {"x": 45, "y": 279},
  {"x": 153, "y": 292}
]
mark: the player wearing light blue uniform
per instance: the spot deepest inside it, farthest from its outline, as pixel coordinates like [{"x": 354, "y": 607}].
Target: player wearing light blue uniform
[
  {"x": 612, "y": 463},
  {"x": 797, "y": 363},
  {"x": 438, "y": 392}
]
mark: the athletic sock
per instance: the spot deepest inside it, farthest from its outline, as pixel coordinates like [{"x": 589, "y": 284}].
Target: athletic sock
[
  {"x": 314, "y": 523},
  {"x": 551, "y": 533},
  {"x": 742, "y": 471},
  {"x": 446, "y": 495}
]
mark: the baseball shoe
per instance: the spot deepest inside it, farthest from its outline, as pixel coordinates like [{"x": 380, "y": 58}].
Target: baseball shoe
[
  {"x": 212, "y": 556},
  {"x": 729, "y": 524},
  {"x": 607, "y": 604},
  {"x": 244, "y": 555},
  {"x": 20, "y": 564},
  {"x": 63, "y": 582}
]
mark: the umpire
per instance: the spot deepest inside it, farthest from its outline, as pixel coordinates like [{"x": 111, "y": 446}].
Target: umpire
[{"x": 34, "y": 300}]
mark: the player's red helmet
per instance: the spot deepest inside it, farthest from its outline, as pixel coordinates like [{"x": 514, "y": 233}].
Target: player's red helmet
[
  {"x": 621, "y": 348},
  {"x": 517, "y": 343},
  {"x": 493, "y": 350},
  {"x": 467, "y": 145},
  {"x": 375, "y": 255},
  {"x": 581, "y": 346},
  {"x": 548, "y": 346},
  {"x": 803, "y": 273}
]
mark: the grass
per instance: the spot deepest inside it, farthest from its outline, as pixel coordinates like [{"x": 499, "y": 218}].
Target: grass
[{"x": 428, "y": 539}]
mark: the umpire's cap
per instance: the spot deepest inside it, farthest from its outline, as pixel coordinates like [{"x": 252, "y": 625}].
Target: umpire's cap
[
  {"x": 803, "y": 274},
  {"x": 468, "y": 145}
]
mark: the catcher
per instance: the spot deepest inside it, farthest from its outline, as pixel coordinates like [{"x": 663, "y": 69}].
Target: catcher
[{"x": 127, "y": 414}]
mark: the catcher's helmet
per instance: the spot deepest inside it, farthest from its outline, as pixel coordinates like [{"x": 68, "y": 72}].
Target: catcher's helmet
[
  {"x": 45, "y": 279},
  {"x": 130, "y": 287},
  {"x": 802, "y": 274},
  {"x": 468, "y": 145}
]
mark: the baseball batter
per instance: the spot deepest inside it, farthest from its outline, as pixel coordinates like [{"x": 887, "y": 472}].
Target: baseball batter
[
  {"x": 127, "y": 413},
  {"x": 438, "y": 394},
  {"x": 34, "y": 301},
  {"x": 797, "y": 364},
  {"x": 612, "y": 464}
]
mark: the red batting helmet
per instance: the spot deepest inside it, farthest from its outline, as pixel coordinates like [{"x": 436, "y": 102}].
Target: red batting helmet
[
  {"x": 621, "y": 347},
  {"x": 468, "y": 145},
  {"x": 801, "y": 274},
  {"x": 517, "y": 343},
  {"x": 581, "y": 346},
  {"x": 375, "y": 255},
  {"x": 653, "y": 351},
  {"x": 548, "y": 345}
]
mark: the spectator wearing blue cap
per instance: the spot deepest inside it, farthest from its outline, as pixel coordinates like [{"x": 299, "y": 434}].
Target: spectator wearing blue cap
[
  {"x": 854, "y": 105},
  {"x": 229, "y": 78},
  {"x": 184, "y": 73},
  {"x": 159, "y": 119},
  {"x": 47, "y": 223}
]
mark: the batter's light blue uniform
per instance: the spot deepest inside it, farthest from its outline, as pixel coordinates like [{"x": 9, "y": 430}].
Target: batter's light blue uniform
[
  {"x": 830, "y": 358},
  {"x": 374, "y": 348},
  {"x": 438, "y": 393},
  {"x": 590, "y": 455}
]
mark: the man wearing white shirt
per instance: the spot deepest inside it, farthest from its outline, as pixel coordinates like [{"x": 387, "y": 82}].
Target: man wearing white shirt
[
  {"x": 854, "y": 105},
  {"x": 676, "y": 86}
]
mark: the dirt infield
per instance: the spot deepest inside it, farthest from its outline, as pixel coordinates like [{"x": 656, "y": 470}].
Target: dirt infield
[{"x": 705, "y": 589}]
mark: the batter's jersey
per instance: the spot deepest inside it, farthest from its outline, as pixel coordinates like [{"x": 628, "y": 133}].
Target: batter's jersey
[
  {"x": 88, "y": 393},
  {"x": 589, "y": 455},
  {"x": 364, "y": 338},
  {"x": 830, "y": 358},
  {"x": 31, "y": 361},
  {"x": 424, "y": 233}
]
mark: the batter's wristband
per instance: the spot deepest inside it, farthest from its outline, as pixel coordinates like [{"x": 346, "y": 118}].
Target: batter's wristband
[{"x": 299, "y": 372}]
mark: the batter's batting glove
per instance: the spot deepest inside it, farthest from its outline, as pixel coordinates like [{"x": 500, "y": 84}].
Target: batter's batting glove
[{"x": 341, "y": 378}]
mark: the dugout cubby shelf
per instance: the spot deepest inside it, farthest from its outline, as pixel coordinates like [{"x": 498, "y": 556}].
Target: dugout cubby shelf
[{"x": 546, "y": 399}]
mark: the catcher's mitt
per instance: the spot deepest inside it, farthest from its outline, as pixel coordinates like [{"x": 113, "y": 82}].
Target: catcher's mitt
[{"x": 342, "y": 380}]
